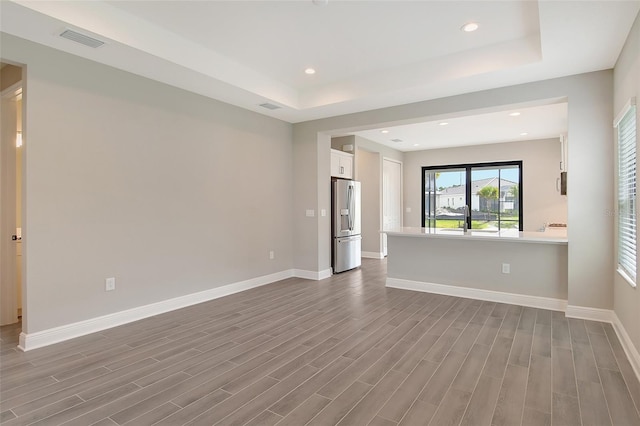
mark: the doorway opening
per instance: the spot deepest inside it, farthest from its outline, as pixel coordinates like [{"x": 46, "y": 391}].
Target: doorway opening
[{"x": 11, "y": 193}]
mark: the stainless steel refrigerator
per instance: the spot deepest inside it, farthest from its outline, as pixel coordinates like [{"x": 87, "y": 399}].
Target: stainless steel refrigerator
[{"x": 345, "y": 225}]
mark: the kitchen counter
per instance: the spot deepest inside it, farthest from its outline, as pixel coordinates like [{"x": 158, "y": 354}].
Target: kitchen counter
[
  {"x": 526, "y": 268},
  {"x": 550, "y": 236}
]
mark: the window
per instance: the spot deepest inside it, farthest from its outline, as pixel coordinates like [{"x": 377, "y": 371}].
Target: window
[
  {"x": 490, "y": 192},
  {"x": 626, "y": 182}
]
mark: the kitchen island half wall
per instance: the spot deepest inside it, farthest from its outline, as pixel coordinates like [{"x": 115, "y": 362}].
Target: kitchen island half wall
[{"x": 524, "y": 268}]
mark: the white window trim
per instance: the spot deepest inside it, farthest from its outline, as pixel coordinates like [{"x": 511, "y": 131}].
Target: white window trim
[{"x": 630, "y": 103}]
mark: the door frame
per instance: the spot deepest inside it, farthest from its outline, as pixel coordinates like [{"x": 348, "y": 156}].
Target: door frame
[{"x": 9, "y": 300}]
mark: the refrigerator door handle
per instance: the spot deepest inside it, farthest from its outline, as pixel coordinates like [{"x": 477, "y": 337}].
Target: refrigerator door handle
[{"x": 349, "y": 208}]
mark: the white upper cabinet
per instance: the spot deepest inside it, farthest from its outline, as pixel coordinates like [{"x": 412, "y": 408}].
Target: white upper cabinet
[{"x": 341, "y": 164}]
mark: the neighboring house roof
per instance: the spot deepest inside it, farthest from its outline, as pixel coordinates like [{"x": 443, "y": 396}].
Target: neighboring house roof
[{"x": 477, "y": 185}]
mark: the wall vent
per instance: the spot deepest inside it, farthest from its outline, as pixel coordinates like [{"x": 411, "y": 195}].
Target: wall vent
[
  {"x": 267, "y": 105},
  {"x": 81, "y": 38},
  {"x": 396, "y": 140}
]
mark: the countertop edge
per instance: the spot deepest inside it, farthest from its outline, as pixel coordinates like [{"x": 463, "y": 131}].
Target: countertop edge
[{"x": 467, "y": 237}]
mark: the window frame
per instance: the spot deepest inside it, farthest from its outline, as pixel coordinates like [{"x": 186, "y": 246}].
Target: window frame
[
  {"x": 468, "y": 167},
  {"x": 627, "y": 269}
]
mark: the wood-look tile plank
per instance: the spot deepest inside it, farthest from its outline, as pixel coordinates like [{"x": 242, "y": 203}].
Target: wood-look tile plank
[
  {"x": 602, "y": 352},
  {"x": 155, "y": 415},
  {"x": 452, "y": 408},
  {"x": 511, "y": 399},
  {"x": 341, "y": 405},
  {"x": 471, "y": 368},
  {"x": 195, "y": 408},
  {"x": 345, "y": 379},
  {"x": 564, "y": 378},
  {"x": 585, "y": 363},
  {"x": 381, "y": 421},
  {"x": 531, "y": 417},
  {"x": 560, "y": 336},
  {"x": 566, "y": 410},
  {"x": 439, "y": 383},
  {"x": 304, "y": 412},
  {"x": 380, "y": 368},
  {"x": 482, "y": 403},
  {"x": 621, "y": 406},
  {"x": 420, "y": 413},
  {"x": 539, "y": 384},
  {"x": 593, "y": 404},
  {"x": 497, "y": 359},
  {"x": 407, "y": 392},
  {"x": 541, "y": 340},
  {"x": 364, "y": 411},
  {"x": 298, "y": 395},
  {"x": 261, "y": 403},
  {"x": 578, "y": 331}
]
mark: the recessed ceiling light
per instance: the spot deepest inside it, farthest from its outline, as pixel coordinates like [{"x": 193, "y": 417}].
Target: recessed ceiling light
[
  {"x": 469, "y": 27},
  {"x": 384, "y": 131},
  {"x": 524, "y": 134},
  {"x": 310, "y": 71},
  {"x": 444, "y": 123},
  {"x": 514, "y": 114},
  {"x": 416, "y": 144}
]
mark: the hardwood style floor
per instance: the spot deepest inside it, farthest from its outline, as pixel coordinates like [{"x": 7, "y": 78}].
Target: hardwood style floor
[{"x": 344, "y": 351}]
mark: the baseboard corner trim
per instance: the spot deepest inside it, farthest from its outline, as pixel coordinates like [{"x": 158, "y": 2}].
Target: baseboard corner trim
[
  {"x": 591, "y": 314},
  {"x": 39, "y": 339},
  {"x": 480, "y": 294},
  {"x": 629, "y": 349},
  {"x": 372, "y": 255},
  {"x": 312, "y": 275}
]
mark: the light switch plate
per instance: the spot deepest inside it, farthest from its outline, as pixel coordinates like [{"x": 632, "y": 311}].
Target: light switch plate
[{"x": 311, "y": 213}]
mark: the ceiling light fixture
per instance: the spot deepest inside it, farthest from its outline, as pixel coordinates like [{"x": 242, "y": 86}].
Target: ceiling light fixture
[
  {"x": 444, "y": 123},
  {"x": 470, "y": 27},
  {"x": 310, "y": 71},
  {"x": 384, "y": 131},
  {"x": 514, "y": 114},
  {"x": 416, "y": 144},
  {"x": 524, "y": 134}
]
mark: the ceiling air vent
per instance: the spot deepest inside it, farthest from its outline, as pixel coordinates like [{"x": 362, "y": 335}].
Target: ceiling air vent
[
  {"x": 267, "y": 105},
  {"x": 81, "y": 38},
  {"x": 396, "y": 140}
]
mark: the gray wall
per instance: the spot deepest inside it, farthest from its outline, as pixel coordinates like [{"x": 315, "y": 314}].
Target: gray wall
[
  {"x": 626, "y": 78},
  {"x": 478, "y": 264},
  {"x": 369, "y": 174},
  {"x": 169, "y": 192},
  {"x": 540, "y": 164},
  {"x": 590, "y": 148}
]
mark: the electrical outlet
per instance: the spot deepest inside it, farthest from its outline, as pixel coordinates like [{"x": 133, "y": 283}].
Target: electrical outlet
[
  {"x": 110, "y": 284},
  {"x": 506, "y": 268},
  {"x": 272, "y": 255}
]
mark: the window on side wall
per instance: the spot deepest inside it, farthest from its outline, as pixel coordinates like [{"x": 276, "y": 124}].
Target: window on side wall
[{"x": 625, "y": 125}]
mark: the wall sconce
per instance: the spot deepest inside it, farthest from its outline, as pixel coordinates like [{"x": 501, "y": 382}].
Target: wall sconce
[{"x": 19, "y": 140}]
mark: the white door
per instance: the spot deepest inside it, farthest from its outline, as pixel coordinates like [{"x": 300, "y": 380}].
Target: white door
[
  {"x": 391, "y": 197},
  {"x": 8, "y": 136}
]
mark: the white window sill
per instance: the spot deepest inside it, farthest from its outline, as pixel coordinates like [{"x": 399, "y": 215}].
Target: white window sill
[{"x": 627, "y": 278}]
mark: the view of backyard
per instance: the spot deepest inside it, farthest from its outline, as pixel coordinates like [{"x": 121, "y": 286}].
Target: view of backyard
[{"x": 494, "y": 197}]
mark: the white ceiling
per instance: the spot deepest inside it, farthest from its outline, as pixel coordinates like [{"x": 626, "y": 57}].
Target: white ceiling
[
  {"x": 368, "y": 54},
  {"x": 536, "y": 122}
]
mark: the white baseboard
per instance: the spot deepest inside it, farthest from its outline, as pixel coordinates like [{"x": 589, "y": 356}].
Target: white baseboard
[
  {"x": 29, "y": 341},
  {"x": 474, "y": 293},
  {"x": 312, "y": 275},
  {"x": 592, "y": 314},
  {"x": 632, "y": 353},
  {"x": 372, "y": 255}
]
